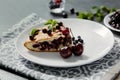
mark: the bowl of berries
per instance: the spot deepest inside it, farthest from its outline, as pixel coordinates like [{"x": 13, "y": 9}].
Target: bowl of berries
[{"x": 112, "y": 21}]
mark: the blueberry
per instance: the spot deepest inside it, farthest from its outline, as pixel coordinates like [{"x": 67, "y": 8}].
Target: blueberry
[
  {"x": 76, "y": 41},
  {"x": 49, "y": 32},
  {"x": 73, "y": 38},
  {"x": 81, "y": 41},
  {"x": 44, "y": 30},
  {"x": 72, "y": 11},
  {"x": 60, "y": 24},
  {"x": 77, "y": 13},
  {"x": 65, "y": 15},
  {"x": 79, "y": 37}
]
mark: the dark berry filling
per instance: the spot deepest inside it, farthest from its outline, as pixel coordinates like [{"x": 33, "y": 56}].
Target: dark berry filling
[
  {"x": 54, "y": 44},
  {"x": 36, "y": 45}
]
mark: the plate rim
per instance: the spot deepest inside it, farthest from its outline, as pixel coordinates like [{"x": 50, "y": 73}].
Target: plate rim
[{"x": 63, "y": 66}]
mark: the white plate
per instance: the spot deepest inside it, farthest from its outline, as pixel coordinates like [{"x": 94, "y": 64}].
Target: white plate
[
  {"x": 98, "y": 42},
  {"x": 106, "y": 22}
]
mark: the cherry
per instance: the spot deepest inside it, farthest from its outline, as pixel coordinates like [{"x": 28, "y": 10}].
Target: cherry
[
  {"x": 77, "y": 49},
  {"x": 57, "y": 1},
  {"x": 65, "y": 52},
  {"x": 65, "y": 31}
]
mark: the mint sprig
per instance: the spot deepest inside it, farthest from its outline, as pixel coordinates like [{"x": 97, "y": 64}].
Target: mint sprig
[
  {"x": 51, "y": 24},
  {"x": 96, "y": 13}
]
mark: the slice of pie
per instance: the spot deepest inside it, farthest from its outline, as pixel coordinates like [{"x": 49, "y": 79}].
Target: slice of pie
[{"x": 49, "y": 38}]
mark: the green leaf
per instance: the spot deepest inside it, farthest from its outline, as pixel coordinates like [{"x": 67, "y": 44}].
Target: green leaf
[
  {"x": 33, "y": 31},
  {"x": 99, "y": 19},
  {"x": 50, "y": 27},
  {"x": 99, "y": 14},
  {"x": 81, "y": 15},
  {"x": 54, "y": 22},
  {"x": 94, "y": 7},
  {"x": 90, "y": 16},
  {"x": 49, "y": 22},
  {"x": 113, "y": 10}
]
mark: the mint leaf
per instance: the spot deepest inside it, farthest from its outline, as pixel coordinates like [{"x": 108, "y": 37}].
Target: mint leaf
[
  {"x": 49, "y": 22},
  {"x": 33, "y": 31},
  {"x": 54, "y": 22},
  {"x": 50, "y": 27}
]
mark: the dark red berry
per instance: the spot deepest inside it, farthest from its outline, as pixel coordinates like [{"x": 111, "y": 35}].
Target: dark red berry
[
  {"x": 65, "y": 31},
  {"x": 77, "y": 49},
  {"x": 58, "y": 27},
  {"x": 31, "y": 37},
  {"x": 72, "y": 11},
  {"x": 49, "y": 32},
  {"x": 44, "y": 30},
  {"x": 66, "y": 52}
]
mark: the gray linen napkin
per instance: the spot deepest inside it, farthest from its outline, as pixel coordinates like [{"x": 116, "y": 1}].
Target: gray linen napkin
[{"x": 10, "y": 57}]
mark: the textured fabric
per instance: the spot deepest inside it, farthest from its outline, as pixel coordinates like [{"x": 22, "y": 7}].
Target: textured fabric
[
  {"x": 10, "y": 76},
  {"x": 10, "y": 57}
]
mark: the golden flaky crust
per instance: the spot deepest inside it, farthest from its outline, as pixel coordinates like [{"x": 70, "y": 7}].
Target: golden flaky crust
[{"x": 28, "y": 45}]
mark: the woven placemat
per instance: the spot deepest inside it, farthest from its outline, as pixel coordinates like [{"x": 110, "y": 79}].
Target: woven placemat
[{"x": 10, "y": 58}]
